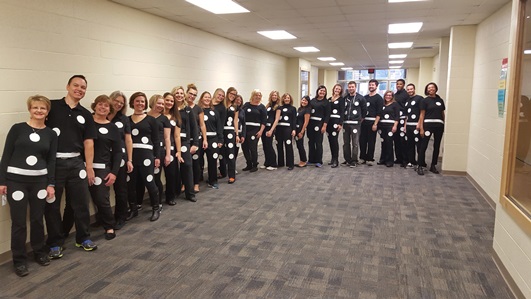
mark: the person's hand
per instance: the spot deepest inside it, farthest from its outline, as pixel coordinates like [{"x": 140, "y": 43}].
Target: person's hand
[
  {"x": 259, "y": 134},
  {"x": 238, "y": 139},
  {"x": 374, "y": 127},
  {"x": 3, "y": 189},
  {"x": 242, "y": 139},
  {"x": 90, "y": 176},
  {"x": 300, "y": 135},
  {"x": 339, "y": 127},
  {"x": 323, "y": 129},
  {"x": 129, "y": 166},
  {"x": 50, "y": 192},
  {"x": 179, "y": 158},
  {"x": 220, "y": 144},
  {"x": 293, "y": 133},
  {"x": 110, "y": 179},
  {"x": 205, "y": 144},
  {"x": 393, "y": 129},
  {"x": 194, "y": 149},
  {"x": 157, "y": 163},
  {"x": 167, "y": 160},
  {"x": 269, "y": 133}
]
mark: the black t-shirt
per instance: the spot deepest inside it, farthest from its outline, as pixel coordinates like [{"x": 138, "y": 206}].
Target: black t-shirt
[
  {"x": 107, "y": 147},
  {"x": 434, "y": 108},
  {"x": 374, "y": 105},
  {"x": 122, "y": 123}
]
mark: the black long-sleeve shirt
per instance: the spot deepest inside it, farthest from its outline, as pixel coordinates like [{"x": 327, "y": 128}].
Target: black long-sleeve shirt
[
  {"x": 213, "y": 123},
  {"x": 255, "y": 117},
  {"x": 107, "y": 147},
  {"x": 337, "y": 110},
  {"x": 288, "y": 116},
  {"x": 355, "y": 108},
  {"x": 29, "y": 155},
  {"x": 320, "y": 110},
  {"x": 389, "y": 114}
]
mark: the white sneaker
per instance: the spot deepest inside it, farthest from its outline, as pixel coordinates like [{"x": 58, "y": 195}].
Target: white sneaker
[
  {"x": 271, "y": 168},
  {"x": 262, "y": 167},
  {"x": 409, "y": 165},
  {"x": 370, "y": 163}
]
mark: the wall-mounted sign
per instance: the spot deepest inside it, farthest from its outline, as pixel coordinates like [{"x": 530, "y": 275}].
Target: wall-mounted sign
[{"x": 502, "y": 87}]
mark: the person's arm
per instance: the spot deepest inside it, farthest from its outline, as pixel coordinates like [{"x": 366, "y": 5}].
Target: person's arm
[
  {"x": 305, "y": 124},
  {"x": 202, "y": 125},
  {"x": 88, "y": 146},
  {"x": 326, "y": 117},
  {"x": 219, "y": 127},
  {"x": 155, "y": 139},
  {"x": 420, "y": 124},
  {"x": 129, "y": 152},
  {"x": 167, "y": 146},
  {"x": 177, "y": 137},
  {"x": 275, "y": 123},
  {"x": 236, "y": 125},
  {"x": 375, "y": 125}
]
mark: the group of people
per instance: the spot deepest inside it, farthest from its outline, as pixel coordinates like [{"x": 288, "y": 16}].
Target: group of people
[{"x": 64, "y": 147}]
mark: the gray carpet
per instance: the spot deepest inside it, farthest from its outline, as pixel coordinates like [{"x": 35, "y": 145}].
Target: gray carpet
[{"x": 367, "y": 232}]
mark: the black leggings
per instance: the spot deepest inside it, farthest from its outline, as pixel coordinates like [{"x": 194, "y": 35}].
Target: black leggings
[
  {"x": 285, "y": 139},
  {"x": 437, "y": 133},
  {"x": 315, "y": 142}
]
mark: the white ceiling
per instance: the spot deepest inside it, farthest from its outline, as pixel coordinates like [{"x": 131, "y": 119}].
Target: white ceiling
[{"x": 352, "y": 31}]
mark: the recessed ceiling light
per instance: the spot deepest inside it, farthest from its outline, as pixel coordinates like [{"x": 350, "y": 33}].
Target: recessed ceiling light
[
  {"x": 306, "y": 49},
  {"x": 396, "y": 61},
  {"x": 337, "y": 63},
  {"x": 400, "y": 1},
  {"x": 400, "y": 45},
  {"x": 397, "y": 56},
  {"x": 404, "y": 28},
  {"x": 219, "y": 6},
  {"x": 326, "y": 58},
  {"x": 346, "y": 68},
  {"x": 395, "y": 67},
  {"x": 527, "y": 52},
  {"x": 277, "y": 34}
]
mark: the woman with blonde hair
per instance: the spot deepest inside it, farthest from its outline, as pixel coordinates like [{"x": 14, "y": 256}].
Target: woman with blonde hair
[
  {"x": 285, "y": 125},
  {"x": 214, "y": 133},
  {"x": 273, "y": 103},
  {"x": 227, "y": 158},
  {"x": 255, "y": 120}
]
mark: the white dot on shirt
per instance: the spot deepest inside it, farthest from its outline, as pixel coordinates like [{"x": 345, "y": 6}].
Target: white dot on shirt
[
  {"x": 405, "y": 138},
  {"x": 147, "y": 162},
  {"x": 355, "y": 131},
  {"x": 402, "y": 134},
  {"x": 334, "y": 133},
  {"x": 288, "y": 142},
  {"x": 285, "y": 109},
  {"x": 335, "y": 126},
  {"x": 119, "y": 124},
  {"x": 368, "y": 104},
  {"x": 135, "y": 132},
  {"x": 231, "y": 108},
  {"x": 149, "y": 178},
  {"x": 214, "y": 145},
  {"x": 336, "y": 102},
  {"x": 34, "y": 137},
  {"x": 438, "y": 103},
  {"x": 316, "y": 129},
  {"x": 173, "y": 123},
  {"x": 80, "y": 119},
  {"x": 286, "y": 118},
  {"x": 413, "y": 103},
  {"x": 230, "y": 145},
  {"x": 215, "y": 155},
  {"x": 221, "y": 157},
  {"x": 427, "y": 133},
  {"x": 253, "y": 137},
  {"x": 409, "y": 110},
  {"x": 205, "y": 117},
  {"x": 42, "y": 194},
  {"x": 231, "y": 156},
  {"x": 17, "y": 195},
  {"x": 229, "y": 136},
  {"x": 184, "y": 149},
  {"x": 123, "y": 150},
  {"x": 82, "y": 174},
  {"x": 401, "y": 113},
  {"x": 313, "y": 110},
  {"x": 334, "y": 111},
  {"x": 145, "y": 140},
  {"x": 31, "y": 160},
  {"x": 122, "y": 163},
  {"x": 50, "y": 200},
  {"x": 171, "y": 159},
  {"x": 356, "y": 103},
  {"x": 390, "y": 134},
  {"x": 57, "y": 131},
  {"x": 230, "y": 118},
  {"x": 195, "y": 157},
  {"x": 383, "y": 108},
  {"x": 416, "y": 132},
  {"x": 413, "y": 116},
  {"x": 156, "y": 170},
  {"x": 401, "y": 121},
  {"x": 103, "y": 131},
  {"x": 416, "y": 139},
  {"x": 386, "y": 116},
  {"x": 354, "y": 112},
  {"x": 128, "y": 178},
  {"x": 212, "y": 113},
  {"x": 97, "y": 181},
  {"x": 402, "y": 129},
  {"x": 249, "y": 110}
]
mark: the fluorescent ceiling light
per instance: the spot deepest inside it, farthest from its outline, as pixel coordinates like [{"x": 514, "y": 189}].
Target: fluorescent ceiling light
[
  {"x": 396, "y": 61},
  {"x": 277, "y": 34},
  {"x": 404, "y": 28},
  {"x": 527, "y": 52},
  {"x": 395, "y": 67},
  {"x": 400, "y": 1},
  {"x": 219, "y": 6},
  {"x": 397, "y": 56},
  {"x": 400, "y": 45},
  {"x": 346, "y": 68},
  {"x": 306, "y": 49},
  {"x": 337, "y": 63},
  {"x": 326, "y": 58}
]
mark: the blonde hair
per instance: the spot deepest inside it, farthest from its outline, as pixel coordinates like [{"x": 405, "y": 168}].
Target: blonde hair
[
  {"x": 153, "y": 100},
  {"x": 114, "y": 95},
  {"x": 254, "y": 93},
  {"x": 41, "y": 99},
  {"x": 102, "y": 99},
  {"x": 270, "y": 101}
]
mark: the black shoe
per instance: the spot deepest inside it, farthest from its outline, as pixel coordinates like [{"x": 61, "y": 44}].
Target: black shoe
[
  {"x": 171, "y": 202},
  {"x": 254, "y": 169},
  {"x": 345, "y": 163},
  {"x": 109, "y": 236},
  {"x": 290, "y": 168},
  {"x": 43, "y": 260},
  {"x": 334, "y": 164},
  {"x": 420, "y": 170},
  {"x": 21, "y": 270},
  {"x": 132, "y": 214},
  {"x": 247, "y": 168},
  {"x": 380, "y": 163},
  {"x": 398, "y": 161},
  {"x": 155, "y": 214},
  {"x": 434, "y": 169},
  {"x": 192, "y": 198},
  {"x": 389, "y": 165}
]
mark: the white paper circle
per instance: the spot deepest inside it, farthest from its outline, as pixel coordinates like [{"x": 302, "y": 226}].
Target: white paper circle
[
  {"x": 119, "y": 124},
  {"x": 80, "y": 119},
  {"x": 215, "y": 155},
  {"x": 285, "y": 109},
  {"x": 57, "y": 131},
  {"x": 128, "y": 178},
  {"x": 334, "y": 111},
  {"x": 427, "y": 133},
  {"x": 205, "y": 117},
  {"x": 402, "y": 134},
  {"x": 212, "y": 113},
  {"x": 17, "y": 195},
  {"x": 157, "y": 170},
  {"x": 386, "y": 116},
  {"x": 214, "y": 145},
  {"x": 413, "y": 103},
  {"x": 184, "y": 149},
  {"x": 122, "y": 163},
  {"x": 229, "y": 136},
  {"x": 413, "y": 116},
  {"x": 34, "y": 137},
  {"x": 253, "y": 137},
  {"x": 355, "y": 131},
  {"x": 31, "y": 160},
  {"x": 333, "y": 134},
  {"x": 145, "y": 140},
  {"x": 288, "y": 142},
  {"x": 230, "y": 145},
  {"x": 356, "y": 103},
  {"x": 97, "y": 181},
  {"x": 416, "y": 132},
  {"x": 438, "y": 103},
  {"x": 103, "y": 131},
  {"x": 231, "y": 156},
  {"x": 134, "y": 132},
  {"x": 82, "y": 174},
  {"x": 316, "y": 129},
  {"x": 368, "y": 104},
  {"x": 149, "y": 178},
  {"x": 249, "y": 110},
  {"x": 50, "y": 200},
  {"x": 335, "y": 126},
  {"x": 42, "y": 194},
  {"x": 390, "y": 134},
  {"x": 173, "y": 123},
  {"x": 147, "y": 162},
  {"x": 286, "y": 117},
  {"x": 195, "y": 157},
  {"x": 416, "y": 139}
]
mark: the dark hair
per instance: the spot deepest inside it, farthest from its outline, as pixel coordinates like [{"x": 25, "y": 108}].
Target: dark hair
[
  {"x": 136, "y": 95},
  {"x": 374, "y": 81},
  {"x": 103, "y": 99},
  {"x": 401, "y": 80},
  {"x": 307, "y": 98},
  {"x": 411, "y": 84},
  {"x": 351, "y": 82},
  {"x": 77, "y": 76},
  {"x": 426, "y": 88},
  {"x": 319, "y": 88},
  {"x": 201, "y": 98}
]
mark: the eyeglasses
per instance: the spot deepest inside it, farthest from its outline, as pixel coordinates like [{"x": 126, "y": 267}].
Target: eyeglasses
[
  {"x": 193, "y": 94},
  {"x": 233, "y": 93}
]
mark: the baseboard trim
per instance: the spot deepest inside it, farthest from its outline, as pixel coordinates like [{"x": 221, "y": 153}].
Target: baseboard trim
[
  {"x": 487, "y": 198},
  {"x": 507, "y": 276}
]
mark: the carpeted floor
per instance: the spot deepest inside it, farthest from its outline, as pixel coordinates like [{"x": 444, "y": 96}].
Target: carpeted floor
[{"x": 367, "y": 232}]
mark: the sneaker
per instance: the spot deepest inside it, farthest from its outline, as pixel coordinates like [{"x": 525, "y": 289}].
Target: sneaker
[
  {"x": 271, "y": 168},
  {"x": 139, "y": 207},
  {"x": 254, "y": 169},
  {"x": 409, "y": 165},
  {"x": 21, "y": 270},
  {"x": 352, "y": 165},
  {"x": 370, "y": 163},
  {"x": 87, "y": 245},
  {"x": 262, "y": 166},
  {"x": 213, "y": 186},
  {"x": 345, "y": 163},
  {"x": 43, "y": 260},
  {"x": 56, "y": 252},
  {"x": 247, "y": 168},
  {"x": 361, "y": 161},
  {"x": 318, "y": 165}
]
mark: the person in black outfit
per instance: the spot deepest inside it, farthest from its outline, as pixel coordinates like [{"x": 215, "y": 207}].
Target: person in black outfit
[
  {"x": 214, "y": 134},
  {"x": 335, "y": 124},
  {"x": 368, "y": 136},
  {"x": 146, "y": 146},
  {"x": 27, "y": 178},
  {"x": 319, "y": 117},
  {"x": 107, "y": 158},
  {"x": 284, "y": 124},
  {"x": 387, "y": 123},
  {"x": 231, "y": 130},
  {"x": 411, "y": 127},
  {"x": 238, "y": 102},
  {"x": 121, "y": 121},
  {"x": 399, "y": 140},
  {"x": 303, "y": 119},
  {"x": 189, "y": 142},
  {"x": 74, "y": 172},
  {"x": 191, "y": 94},
  {"x": 431, "y": 122},
  {"x": 273, "y": 103},
  {"x": 218, "y": 104},
  {"x": 355, "y": 108},
  {"x": 255, "y": 120}
]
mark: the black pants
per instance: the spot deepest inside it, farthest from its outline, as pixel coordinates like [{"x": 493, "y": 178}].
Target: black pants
[
  {"x": 284, "y": 139},
  {"x": 143, "y": 174},
  {"x": 351, "y": 133},
  {"x": 269, "y": 151},
  {"x": 333, "y": 140},
  {"x": 437, "y": 133},
  {"x": 413, "y": 139},
  {"x": 301, "y": 149},
  {"x": 184, "y": 171},
  {"x": 315, "y": 142},
  {"x": 367, "y": 140},
  {"x": 197, "y": 168},
  {"x": 387, "y": 144},
  {"x": 34, "y": 195},
  {"x": 212, "y": 154},
  {"x": 250, "y": 148},
  {"x": 400, "y": 145},
  {"x": 70, "y": 176},
  {"x": 227, "y": 160},
  {"x": 170, "y": 173},
  {"x": 101, "y": 197},
  {"x": 120, "y": 194}
]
